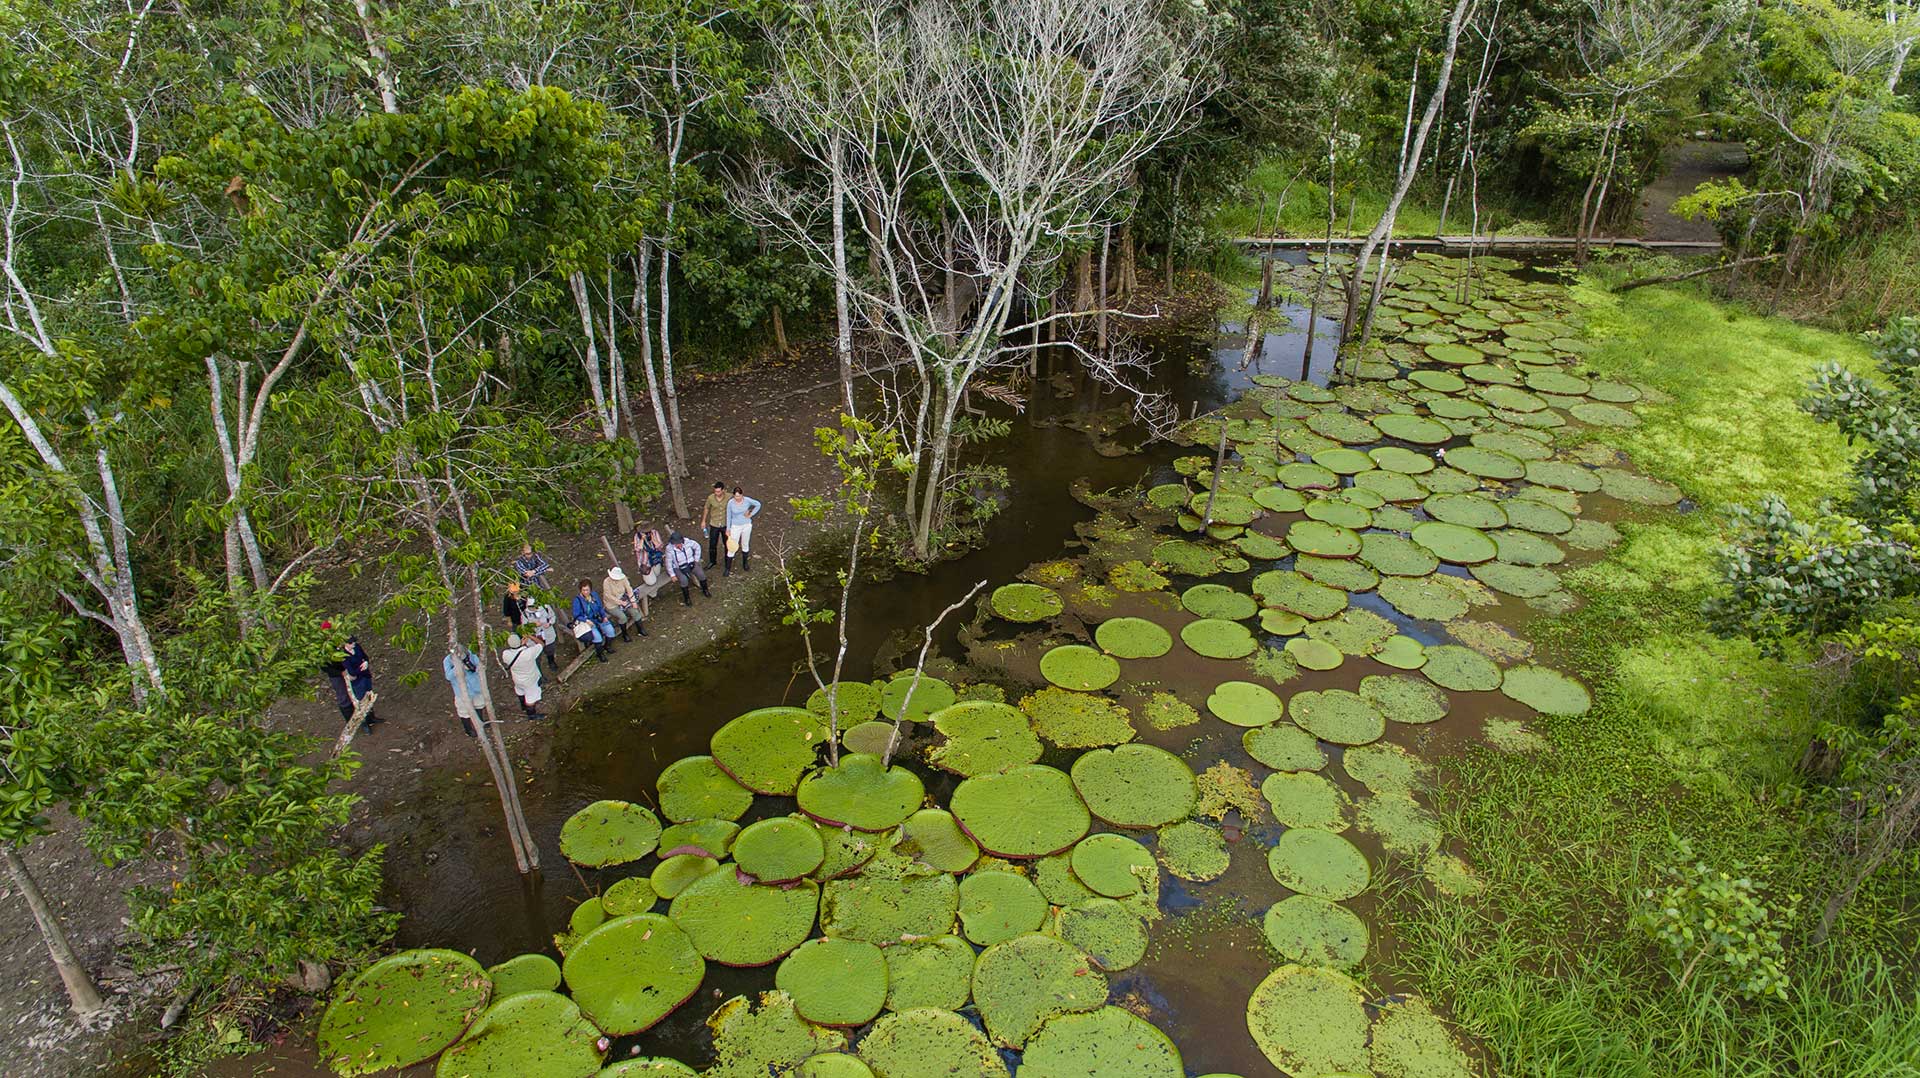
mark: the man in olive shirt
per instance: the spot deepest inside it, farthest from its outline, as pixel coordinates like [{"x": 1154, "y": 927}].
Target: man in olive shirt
[{"x": 713, "y": 517}]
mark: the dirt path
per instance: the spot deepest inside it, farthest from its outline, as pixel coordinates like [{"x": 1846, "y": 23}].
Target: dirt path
[
  {"x": 752, "y": 426},
  {"x": 1688, "y": 165}
]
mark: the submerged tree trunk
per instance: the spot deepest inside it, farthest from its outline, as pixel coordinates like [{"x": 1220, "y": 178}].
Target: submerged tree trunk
[{"x": 82, "y": 995}]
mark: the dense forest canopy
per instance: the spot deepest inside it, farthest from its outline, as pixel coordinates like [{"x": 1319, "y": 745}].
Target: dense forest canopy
[{"x": 291, "y": 285}]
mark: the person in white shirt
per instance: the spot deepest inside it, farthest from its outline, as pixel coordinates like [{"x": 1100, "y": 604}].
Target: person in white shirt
[
  {"x": 522, "y": 662},
  {"x": 683, "y": 562},
  {"x": 740, "y": 513}
]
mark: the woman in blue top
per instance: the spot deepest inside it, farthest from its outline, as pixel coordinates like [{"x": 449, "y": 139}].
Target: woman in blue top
[
  {"x": 590, "y": 621},
  {"x": 471, "y": 705},
  {"x": 740, "y": 513}
]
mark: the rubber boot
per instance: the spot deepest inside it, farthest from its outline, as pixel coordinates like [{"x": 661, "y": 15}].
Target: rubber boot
[
  {"x": 600, "y": 652},
  {"x": 686, "y": 595},
  {"x": 746, "y": 561},
  {"x": 704, "y": 591},
  {"x": 623, "y": 633},
  {"x": 729, "y": 569},
  {"x": 640, "y": 626}
]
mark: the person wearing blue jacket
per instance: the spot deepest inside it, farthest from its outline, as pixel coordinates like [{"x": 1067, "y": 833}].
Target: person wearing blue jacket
[
  {"x": 740, "y": 513},
  {"x": 472, "y": 708},
  {"x": 590, "y": 621}
]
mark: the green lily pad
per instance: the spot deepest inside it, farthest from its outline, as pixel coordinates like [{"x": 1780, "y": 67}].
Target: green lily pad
[
  {"x": 1438, "y": 381},
  {"x": 1027, "y": 811},
  {"x": 1534, "y": 516},
  {"x": 1113, "y": 865},
  {"x": 833, "y": 1065},
  {"x": 924, "y": 1042},
  {"x": 1109, "y": 1041},
  {"x": 1135, "y": 785},
  {"x": 848, "y": 851},
  {"x": 1191, "y": 850},
  {"x": 1338, "y": 716},
  {"x": 1341, "y": 426},
  {"x": 835, "y": 982},
  {"x": 1078, "y": 720},
  {"x": 1217, "y": 639},
  {"x": 1347, "y": 461},
  {"x": 1261, "y": 547},
  {"x": 1546, "y": 691},
  {"x": 849, "y": 702},
  {"x": 1310, "y": 1020},
  {"x": 1451, "y": 666},
  {"x": 1354, "y": 632},
  {"x": 1284, "y": 747},
  {"x": 1486, "y": 463},
  {"x": 935, "y": 972},
  {"x": 1522, "y": 581},
  {"x": 635, "y": 894},
  {"x": 1110, "y": 933},
  {"x": 1300, "y": 475},
  {"x": 872, "y": 738},
  {"x": 1134, "y": 638},
  {"x": 1168, "y": 496},
  {"x": 524, "y": 973},
  {"x": 1401, "y": 824},
  {"x": 1410, "y": 1041},
  {"x": 1314, "y": 654},
  {"x": 755, "y": 1038},
  {"x": 1054, "y": 876},
  {"x": 633, "y": 971},
  {"x": 1391, "y": 486},
  {"x": 1401, "y": 653},
  {"x": 1454, "y": 542},
  {"x": 1183, "y": 556},
  {"x": 529, "y": 1035},
  {"x": 1457, "y": 408},
  {"x": 1315, "y": 932},
  {"x": 981, "y": 737},
  {"x": 861, "y": 793},
  {"x": 1218, "y": 601},
  {"x": 1025, "y": 602},
  {"x": 1638, "y": 489},
  {"x": 1384, "y": 768},
  {"x": 1347, "y": 574},
  {"x": 609, "y": 833},
  {"x": 402, "y": 1010},
  {"x": 1418, "y": 429},
  {"x": 1395, "y": 458},
  {"x": 1470, "y": 510},
  {"x": 930, "y": 694},
  {"x": 1527, "y": 548},
  {"x": 1326, "y": 540},
  {"x": 1514, "y": 444},
  {"x": 1604, "y": 415},
  {"x": 1565, "y": 476},
  {"x": 1228, "y": 508},
  {"x": 1319, "y": 863},
  {"x": 1076, "y": 666},
  {"x": 1449, "y": 480},
  {"x": 767, "y": 749},
  {"x": 586, "y": 917},
  {"x": 779, "y": 849},
  {"x": 694, "y": 788},
  {"x": 736, "y": 923},
  {"x": 1280, "y": 499},
  {"x": 997, "y": 906},
  {"x": 1428, "y": 598},
  {"x": 676, "y": 873},
  {"x": 1165, "y": 711},
  {"x": 1021, "y": 983},
  {"x": 1453, "y": 355},
  {"x": 1293, "y": 592},
  {"x": 1488, "y": 374},
  {"x": 648, "y": 1067},
  {"x": 1394, "y": 555},
  {"x": 1306, "y": 799},
  {"x": 1243, "y": 703},
  {"x": 934, "y": 838},
  {"x": 1592, "y": 535},
  {"x": 1281, "y": 622},
  {"x": 892, "y": 899},
  {"x": 1404, "y": 699}
]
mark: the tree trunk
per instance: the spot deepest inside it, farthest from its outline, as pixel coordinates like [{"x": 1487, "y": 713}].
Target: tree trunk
[
  {"x": 1173, "y": 225},
  {"x": 638, "y": 312},
  {"x": 377, "y": 58},
  {"x": 939, "y": 445},
  {"x": 1129, "y": 264},
  {"x": 666, "y": 353},
  {"x": 81, "y": 993},
  {"x": 1083, "y": 282},
  {"x": 842, "y": 310},
  {"x": 606, "y": 410},
  {"x": 1106, "y": 243},
  {"x": 1593, "y": 184}
]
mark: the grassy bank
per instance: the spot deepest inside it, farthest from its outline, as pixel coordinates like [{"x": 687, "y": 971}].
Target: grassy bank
[
  {"x": 1691, "y": 738},
  {"x": 1357, "y": 202}
]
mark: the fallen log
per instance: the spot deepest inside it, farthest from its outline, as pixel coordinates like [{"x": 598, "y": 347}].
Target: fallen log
[{"x": 1670, "y": 278}]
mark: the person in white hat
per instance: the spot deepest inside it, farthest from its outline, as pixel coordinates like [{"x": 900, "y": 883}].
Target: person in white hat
[
  {"x": 623, "y": 606},
  {"x": 522, "y": 662}
]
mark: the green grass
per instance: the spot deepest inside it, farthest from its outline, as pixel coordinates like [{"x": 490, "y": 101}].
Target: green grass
[
  {"x": 1691, "y": 736},
  {"x": 1304, "y": 213}
]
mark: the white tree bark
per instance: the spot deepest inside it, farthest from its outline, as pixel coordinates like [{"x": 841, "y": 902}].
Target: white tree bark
[{"x": 82, "y": 994}]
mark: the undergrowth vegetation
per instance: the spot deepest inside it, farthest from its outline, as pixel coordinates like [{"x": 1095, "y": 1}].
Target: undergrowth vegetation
[{"x": 1690, "y": 757}]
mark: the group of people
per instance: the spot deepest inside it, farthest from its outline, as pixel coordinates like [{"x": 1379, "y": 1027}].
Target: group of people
[{"x": 595, "y": 616}]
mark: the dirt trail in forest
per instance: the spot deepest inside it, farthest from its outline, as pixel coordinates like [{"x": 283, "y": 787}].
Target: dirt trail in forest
[{"x": 1688, "y": 165}]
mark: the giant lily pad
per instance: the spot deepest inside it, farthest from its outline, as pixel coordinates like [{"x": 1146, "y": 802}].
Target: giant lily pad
[
  {"x": 935, "y": 972},
  {"x": 1471, "y": 510},
  {"x": 925, "y": 1041},
  {"x": 1243, "y": 703},
  {"x": 1019, "y": 984},
  {"x": 1639, "y": 489},
  {"x": 1323, "y": 539},
  {"x": 1217, "y": 639},
  {"x": 997, "y": 906},
  {"x": 1026, "y": 811},
  {"x": 530, "y": 1035},
  {"x": 1078, "y": 720},
  {"x": 1310, "y": 1020},
  {"x": 713, "y": 836},
  {"x": 849, "y": 702},
  {"x": 1107, "y": 930},
  {"x": 1025, "y": 602},
  {"x": 1395, "y": 458},
  {"x": 1429, "y": 598},
  {"x": 1109, "y": 1041},
  {"x": 695, "y": 788},
  {"x": 1394, "y": 555},
  {"x": 1417, "y": 429},
  {"x": 1455, "y": 543},
  {"x": 982, "y": 737},
  {"x": 1228, "y": 508},
  {"x": 1410, "y": 1041},
  {"x": 1451, "y": 666},
  {"x": 1354, "y": 632},
  {"x": 934, "y": 838},
  {"x": 1404, "y": 699},
  {"x": 1299, "y": 475},
  {"x": 1486, "y": 463},
  {"x": 1191, "y": 850},
  {"x": 1401, "y": 653},
  {"x": 524, "y": 973},
  {"x": 1604, "y": 415},
  {"x": 1284, "y": 747},
  {"x": 1313, "y": 654},
  {"x": 890, "y": 900},
  {"x": 631, "y": 895},
  {"x": 609, "y": 833},
  {"x": 1526, "y": 548},
  {"x": 1280, "y": 499},
  {"x": 633, "y": 971},
  {"x": 1338, "y": 716},
  {"x": 1076, "y": 666},
  {"x": 834, "y": 982},
  {"x": 872, "y": 738},
  {"x": 1347, "y": 574},
  {"x": 767, "y": 749},
  {"x": 1315, "y": 932},
  {"x": 1453, "y": 355},
  {"x": 1522, "y": 581},
  {"x": 833, "y": 1065},
  {"x": 752, "y": 1039},
  {"x": 676, "y": 873},
  {"x": 1319, "y": 863},
  {"x": 1384, "y": 768},
  {"x": 1133, "y": 638},
  {"x": 1546, "y": 691},
  {"x": 736, "y": 923},
  {"x": 1306, "y": 799},
  {"x": 779, "y": 849},
  {"x": 861, "y": 793},
  {"x": 1113, "y": 865},
  {"x": 1218, "y": 601},
  {"x": 648, "y": 1067},
  {"x": 1293, "y": 592},
  {"x": 1565, "y": 476},
  {"x": 930, "y": 694},
  {"x": 1401, "y": 824},
  {"x": 402, "y": 1010},
  {"x": 1135, "y": 785}
]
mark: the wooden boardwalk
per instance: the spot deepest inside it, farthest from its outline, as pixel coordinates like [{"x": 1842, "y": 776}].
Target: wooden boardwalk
[{"x": 1482, "y": 244}]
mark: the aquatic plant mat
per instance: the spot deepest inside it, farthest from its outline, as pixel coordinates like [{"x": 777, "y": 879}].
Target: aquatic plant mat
[{"x": 1183, "y": 760}]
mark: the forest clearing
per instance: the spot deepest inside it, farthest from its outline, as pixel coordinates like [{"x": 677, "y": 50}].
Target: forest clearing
[{"x": 1040, "y": 539}]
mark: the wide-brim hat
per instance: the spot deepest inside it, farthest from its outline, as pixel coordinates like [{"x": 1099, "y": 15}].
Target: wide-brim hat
[
  {"x": 617, "y": 573},
  {"x": 513, "y": 640}
]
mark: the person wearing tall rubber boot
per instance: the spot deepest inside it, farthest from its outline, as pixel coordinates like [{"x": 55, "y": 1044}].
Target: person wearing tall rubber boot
[
  {"x": 590, "y": 621},
  {"x": 740, "y": 513},
  {"x": 623, "y": 606},
  {"x": 713, "y": 517},
  {"x": 683, "y": 562}
]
